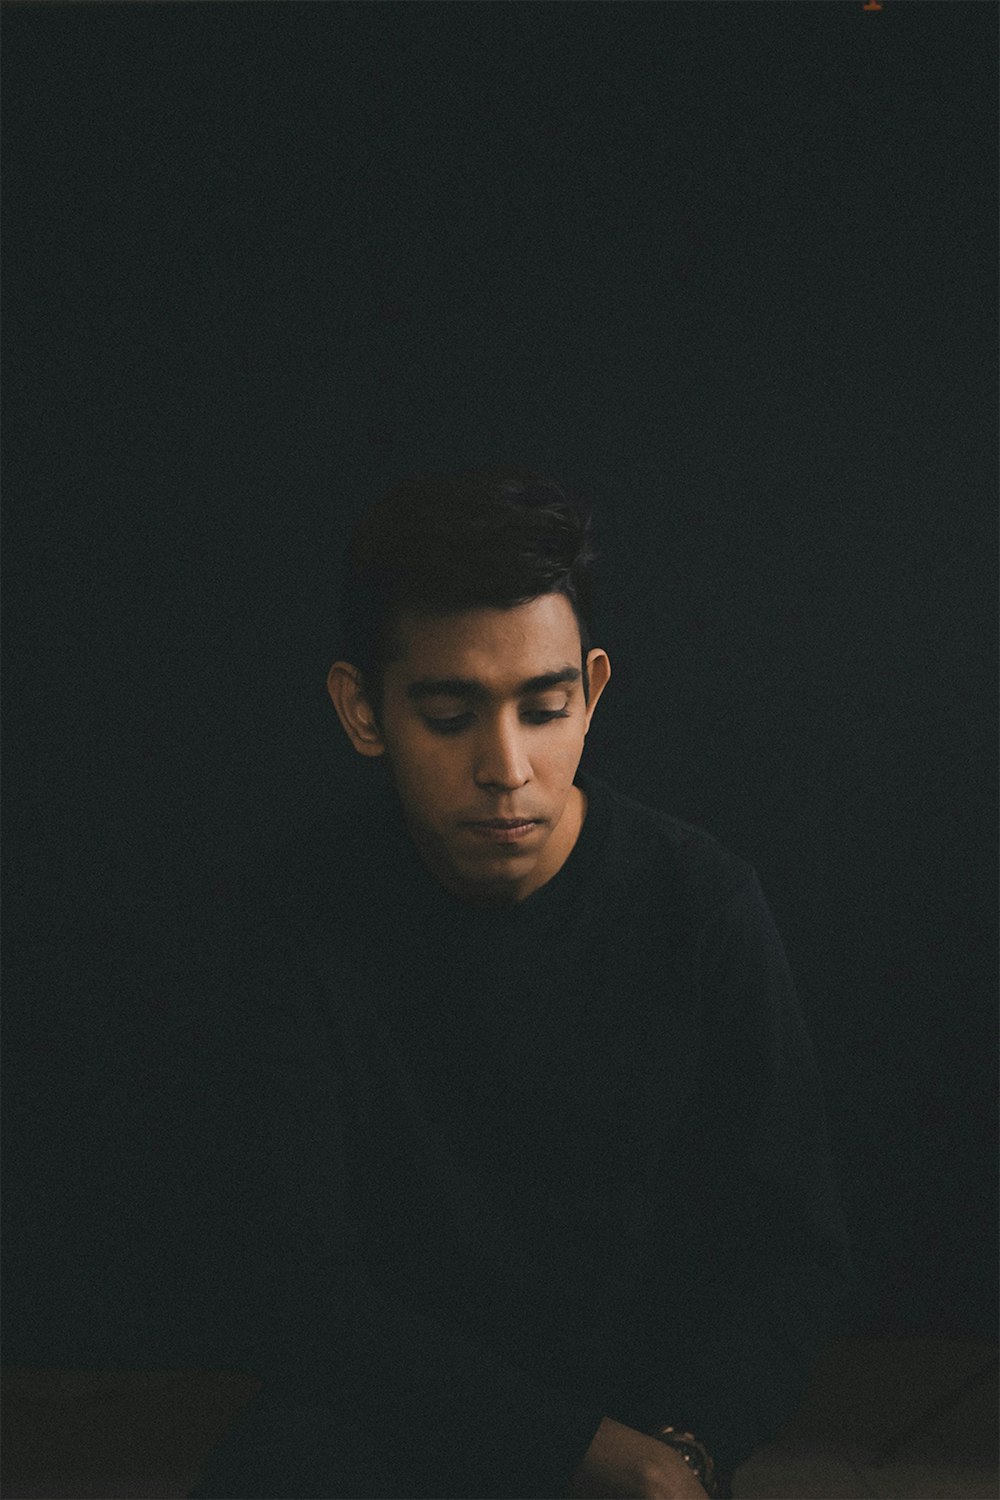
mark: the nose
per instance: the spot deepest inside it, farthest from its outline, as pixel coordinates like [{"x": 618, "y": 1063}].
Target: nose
[{"x": 501, "y": 757}]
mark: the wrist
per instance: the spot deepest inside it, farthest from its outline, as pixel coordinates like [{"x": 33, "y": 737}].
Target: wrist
[
  {"x": 693, "y": 1452},
  {"x": 622, "y": 1462}
]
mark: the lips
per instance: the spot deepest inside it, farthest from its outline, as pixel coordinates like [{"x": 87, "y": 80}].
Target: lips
[
  {"x": 503, "y": 831},
  {"x": 503, "y": 822}
]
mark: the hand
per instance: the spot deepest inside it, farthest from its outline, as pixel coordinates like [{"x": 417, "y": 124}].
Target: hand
[{"x": 623, "y": 1464}]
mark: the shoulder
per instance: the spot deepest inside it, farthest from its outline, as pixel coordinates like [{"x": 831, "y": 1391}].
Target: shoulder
[{"x": 656, "y": 855}]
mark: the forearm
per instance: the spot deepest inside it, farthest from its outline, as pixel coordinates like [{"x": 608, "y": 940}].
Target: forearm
[
  {"x": 326, "y": 1324},
  {"x": 763, "y": 1256},
  {"x": 458, "y": 1410},
  {"x": 739, "y": 1357}
]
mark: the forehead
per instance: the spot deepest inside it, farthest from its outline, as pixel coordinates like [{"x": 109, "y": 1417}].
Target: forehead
[{"x": 498, "y": 647}]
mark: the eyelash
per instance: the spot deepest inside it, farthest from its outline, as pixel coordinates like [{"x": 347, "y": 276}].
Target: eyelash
[{"x": 455, "y": 725}]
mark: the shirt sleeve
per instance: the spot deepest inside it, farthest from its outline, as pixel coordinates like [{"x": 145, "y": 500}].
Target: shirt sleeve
[
  {"x": 464, "y": 1416},
  {"x": 768, "y": 1271}
]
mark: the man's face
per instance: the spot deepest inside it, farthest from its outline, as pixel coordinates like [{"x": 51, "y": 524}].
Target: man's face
[{"x": 483, "y": 718}]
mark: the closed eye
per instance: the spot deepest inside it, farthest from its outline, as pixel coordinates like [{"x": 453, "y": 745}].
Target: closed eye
[{"x": 458, "y": 722}]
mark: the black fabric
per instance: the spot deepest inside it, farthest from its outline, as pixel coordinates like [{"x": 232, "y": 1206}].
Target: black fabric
[{"x": 511, "y": 1170}]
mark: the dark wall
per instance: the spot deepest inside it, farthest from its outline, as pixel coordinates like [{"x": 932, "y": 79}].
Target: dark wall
[{"x": 730, "y": 269}]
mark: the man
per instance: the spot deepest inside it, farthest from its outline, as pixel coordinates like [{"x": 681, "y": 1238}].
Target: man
[{"x": 549, "y": 1210}]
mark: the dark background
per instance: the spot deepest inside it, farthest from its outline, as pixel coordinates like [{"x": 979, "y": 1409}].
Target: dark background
[{"x": 727, "y": 268}]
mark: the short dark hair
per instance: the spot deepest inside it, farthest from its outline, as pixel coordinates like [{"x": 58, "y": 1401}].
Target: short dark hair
[{"x": 439, "y": 544}]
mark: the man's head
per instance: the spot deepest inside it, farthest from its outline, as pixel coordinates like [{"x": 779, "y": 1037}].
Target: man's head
[{"x": 466, "y": 619}]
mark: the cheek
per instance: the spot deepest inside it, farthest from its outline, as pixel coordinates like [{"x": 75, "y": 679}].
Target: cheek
[
  {"x": 569, "y": 748},
  {"x": 432, "y": 766}
]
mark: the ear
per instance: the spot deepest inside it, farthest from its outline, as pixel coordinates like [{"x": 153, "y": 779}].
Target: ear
[
  {"x": 598, "y": 676},
  {"x": 344, "y": 684}
]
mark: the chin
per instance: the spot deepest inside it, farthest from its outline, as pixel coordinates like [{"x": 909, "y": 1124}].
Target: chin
[
  {"x": 500, "y": 867},
  {"x": 491, "y": 892}
]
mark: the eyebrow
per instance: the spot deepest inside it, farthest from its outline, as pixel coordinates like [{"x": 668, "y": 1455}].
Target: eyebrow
[{"x": 469, "y": 687}]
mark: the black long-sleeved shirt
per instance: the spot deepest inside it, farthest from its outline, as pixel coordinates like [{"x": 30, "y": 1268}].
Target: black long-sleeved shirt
[{"x": 518, "y": 1169}]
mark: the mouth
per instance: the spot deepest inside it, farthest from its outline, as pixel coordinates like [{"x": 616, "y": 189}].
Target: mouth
[
  {"x": 504, "y": 830},
  {"x": 503, "y": 822}
]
